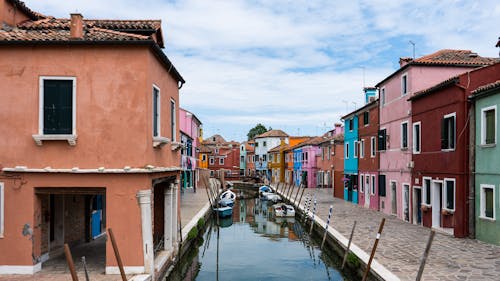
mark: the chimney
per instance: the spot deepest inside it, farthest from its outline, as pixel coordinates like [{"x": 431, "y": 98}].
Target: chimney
[
  {"x": 76, "y": 28},
  {"x": 404, "y": 61}
]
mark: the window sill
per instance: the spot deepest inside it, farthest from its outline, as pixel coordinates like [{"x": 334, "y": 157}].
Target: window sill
[
  {"x": 71, "y": 139},
  {"x": 447, "y": 149},
  {"x": 404, "y": 148},
  {"x": 487, "y": 219},
  {"x": 176, "y": 145},
  {"x": 158, "y": 142},
  {"x": 488, "y": 145}
]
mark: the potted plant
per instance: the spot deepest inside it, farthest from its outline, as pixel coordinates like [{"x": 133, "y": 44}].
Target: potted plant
[{"x": 446, "y": 212}]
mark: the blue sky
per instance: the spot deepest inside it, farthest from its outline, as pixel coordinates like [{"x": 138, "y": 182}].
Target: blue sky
[{"x": 294, "y": 65}]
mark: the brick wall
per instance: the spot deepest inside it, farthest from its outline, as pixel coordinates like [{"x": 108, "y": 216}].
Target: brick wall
[{"x": 74, "y": 218}]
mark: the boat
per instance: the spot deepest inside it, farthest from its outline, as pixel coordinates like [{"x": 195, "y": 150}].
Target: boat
[
  {"x": 273, "y": 197},
  {"x": 224, "y": 212},
  {"x": 227, "y": 198},
  {"x": 283, "y": 210},
  {"x": 264, "y": 188}
]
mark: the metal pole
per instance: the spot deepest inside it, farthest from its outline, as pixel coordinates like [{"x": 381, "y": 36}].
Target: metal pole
[
  {"x": 326, "y": 226},
  {"x": 424, "y": 257},
  {"x": 312, "y": 218},
  {"x": 71, "y": 265},
  {"x": 348, "y": 245},
  {"x": 85, "y": 269},
  {"x": 381, "y": 227},
  {"x": 117, "y": 254}
]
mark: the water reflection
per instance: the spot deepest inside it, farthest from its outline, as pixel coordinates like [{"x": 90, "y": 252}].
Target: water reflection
[{"x": 255, "y": 245}]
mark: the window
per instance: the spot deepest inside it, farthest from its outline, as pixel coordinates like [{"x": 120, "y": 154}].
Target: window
[
  {"x": 404, "y": 135},
  {"x": 242, "y": 158},
  {"x": 448, "y": 132},
  {"x": 404, "y": 84},
  {"x": 212, "y": 160},
  {"x": 329, "y": 152},
  {"x": 449, "y": 194},
  {"x": 362, "y": 149},
  {"x": 488, "y": 125},
  {"x": 346, "y": 150},
  {"x": 278, "y": 158},
  {"x": 351, "y": 124},
  {"x": 356, "y": 149},
  {"x": 203, "y": 157},
  {"x": 382, "y": 138},
  {"x": 487, "y": 202},
  {"x": 373, "y": 185},
  {"x": 264, "y": 157},
  {"x": 264, "y": 143},
  {"x": 221, "y": 161},
  {"x": 271, "y": 158},
  {"x": 172, "y": 122},
  {"x": 216, "y": 151},
  {"x": 366, "y": 118},
  {"x": 381, "y": 185},
  {"x": 426, "y": 196},
  {"x": 323, "y": 152},
  {"x": 382, "y": 96},
  {"x": 416, "y": 137},
  {"x": 256, "y": 144},
  {"x": 156, "y": 111},
  {"x": 362, "y": 184},
  {"x": 306, "y": 155},
  {"x": 2, "y": 207},
  {"x": 372, "y": 147}
]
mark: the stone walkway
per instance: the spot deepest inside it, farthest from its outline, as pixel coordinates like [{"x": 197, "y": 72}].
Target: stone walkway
[{"x": 402, "y": 244}]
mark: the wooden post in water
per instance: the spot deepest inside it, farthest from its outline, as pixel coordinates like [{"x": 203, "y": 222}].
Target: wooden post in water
[
  {"x": 306, "y": 208},
  {"x": 300, "y": 198},
  {"x": 348, "y": 245},
  {"x": 424, "y": 257},
  {"x": 312, "y": 218},
  {"x": 117, "y": 254},
  {"x": 289, "y": 195},
  {"x": 367, "y": 270},
  {"x": 326, "y": 226},
  {"x": 296, "y": 195},
  {"x": 284, "y": 191},
  {"x": 206, "y": 189},
  {"x": 71, "y": 265}
]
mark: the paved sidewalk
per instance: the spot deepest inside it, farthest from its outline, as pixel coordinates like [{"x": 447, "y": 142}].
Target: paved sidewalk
[{"x": 402, "y": 244}]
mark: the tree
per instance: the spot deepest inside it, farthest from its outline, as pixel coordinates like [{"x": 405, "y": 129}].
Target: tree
[{"x": 257, "y": 130}]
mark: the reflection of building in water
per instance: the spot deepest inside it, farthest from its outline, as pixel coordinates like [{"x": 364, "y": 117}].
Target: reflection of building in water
[{"x": 265, "y": 222}]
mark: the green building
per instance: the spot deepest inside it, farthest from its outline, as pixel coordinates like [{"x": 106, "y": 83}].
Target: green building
[{"x": 486, "y": 101}]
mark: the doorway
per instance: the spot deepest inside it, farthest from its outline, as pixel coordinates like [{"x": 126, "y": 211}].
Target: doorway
[
  {"x": 394, "y": 201},
  {"x": 417, "y": 204},
  {"x": 406, "y": 202},
  {"x": 367, "y": 191},
  {"x": 437, "y": 188}
]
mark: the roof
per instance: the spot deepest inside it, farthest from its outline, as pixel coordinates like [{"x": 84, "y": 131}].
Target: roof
[
  {"x": 215, "y": 139},
  {"x": 339, "y": 137},
  {"x": 486, "y": 89},
  {"x": 311, "y": 141},
  {"x": 361, "y": 109},
  {"x": 47, "y": 30},
  {"x": 273, "y": 134},
  {"x": 446, "y": 57},
  {"x": 204, "y": 149},
  {"x": 275, "y": 149}
]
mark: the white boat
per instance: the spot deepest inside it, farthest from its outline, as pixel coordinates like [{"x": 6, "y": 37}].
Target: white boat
[
  {"x": 275, "y": 198},
  {"x": 227, "y": 198},
  {"x": 264, "y": 189},
  {"x": 283, "y": 210}
]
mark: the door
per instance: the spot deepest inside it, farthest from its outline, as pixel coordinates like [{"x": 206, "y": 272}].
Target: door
[
  {"x": 394, "y": 201},
  {"x": 417, "y": 204},
  {"x": 367, "y": 191},
  {"x": 56, "y": 221},
  {"x": 437, "y": 188},
  {"x": 406, "y": 202}
]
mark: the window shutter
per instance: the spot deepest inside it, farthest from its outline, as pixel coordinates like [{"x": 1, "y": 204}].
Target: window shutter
[
  {"x": 58, "y": 107},
  {"x": 381, "y": 185},
  {"x": 444, "y": 139},
  {"x": 490, "y": 126},
  {"x": 381, "y": 140}
]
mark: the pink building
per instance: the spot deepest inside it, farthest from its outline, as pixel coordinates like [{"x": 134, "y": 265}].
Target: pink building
[
  {"x": 395, "y": 138},
  {"x": 191, "y": 133},
  {"x": 309, "y": 164}
]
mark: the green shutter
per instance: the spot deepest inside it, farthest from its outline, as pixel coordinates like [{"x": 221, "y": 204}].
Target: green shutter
[
  {"x": 488, "y": 208},
  {"x": 57, "y": 107}
]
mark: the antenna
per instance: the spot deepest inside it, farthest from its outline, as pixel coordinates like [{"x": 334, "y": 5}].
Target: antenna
[
  {"x": 413, "y": 43},
  {"x": 354, "y": 105},
  {"x": 346, "y": 103}
]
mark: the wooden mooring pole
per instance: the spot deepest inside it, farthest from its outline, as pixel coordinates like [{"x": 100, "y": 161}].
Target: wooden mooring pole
[
  {"x": 289, "y": 195},
  {"x": 367, "y": 270},
  {"x": 296, "y": 195},
  {"x": 424, "y": 257},
  {"x": 348, "y": 245},
  {"x": 300, "y": 198},
  {"x": 312, "y": 218},
  {"x": 326, "y": 226},
  {"x": 117, "y": 254},
  {"x": 71, "y": 265}
]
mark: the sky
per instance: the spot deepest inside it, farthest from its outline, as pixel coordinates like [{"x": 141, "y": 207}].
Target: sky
[{"x": 296, "y": 65}]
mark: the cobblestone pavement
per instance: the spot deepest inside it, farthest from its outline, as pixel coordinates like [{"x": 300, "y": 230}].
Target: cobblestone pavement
[{"x": 402, "y": 244}]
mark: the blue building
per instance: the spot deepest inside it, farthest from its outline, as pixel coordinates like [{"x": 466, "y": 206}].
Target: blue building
[
  {"x": 351, "y": 151},
  {"x": 297, "y": 165}
]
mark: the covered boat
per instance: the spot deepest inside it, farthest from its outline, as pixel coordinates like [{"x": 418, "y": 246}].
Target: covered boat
[
  {"x": 227, "y": 198},
  {"x": 283, "y": 210}
]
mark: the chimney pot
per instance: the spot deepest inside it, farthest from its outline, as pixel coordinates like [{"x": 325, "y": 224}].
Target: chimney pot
[{"x": 76, "y": 28}]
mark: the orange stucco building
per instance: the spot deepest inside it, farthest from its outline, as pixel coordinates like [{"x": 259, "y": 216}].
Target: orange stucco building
[{"x": 89, "y": 138}]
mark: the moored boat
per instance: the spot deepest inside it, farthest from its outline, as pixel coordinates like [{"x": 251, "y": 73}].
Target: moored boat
[
  {"x": 283, "y": 210},
  {"x": 224, "y": 212},
  {"x": 227, "y": 198}
]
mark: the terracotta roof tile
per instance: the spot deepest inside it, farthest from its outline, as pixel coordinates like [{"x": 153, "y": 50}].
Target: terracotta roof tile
[
  {"x": 454, "y": 57},
  {"x": 272, "y": 133},
  {"x": 91, "y": 34},
  {"x": 129, "y": 25},
  {"x": 486, "y": 87},
  {"x": 30, "y": 13}
]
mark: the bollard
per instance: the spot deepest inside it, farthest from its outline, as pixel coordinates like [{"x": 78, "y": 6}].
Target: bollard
[
  {"x": 365, "y": 276},
  {"x": 348, "y": 245},
  {"x": 424, "y": 257},
  {"x": 312, "y": 218},
  {"x": 326, "y": 226}
]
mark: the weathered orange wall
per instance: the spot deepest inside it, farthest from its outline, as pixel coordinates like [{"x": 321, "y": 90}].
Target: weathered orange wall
[{"x": 10, "y": 15}]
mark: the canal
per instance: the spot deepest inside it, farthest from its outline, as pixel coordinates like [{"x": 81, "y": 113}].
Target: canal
[{"x": 255, "y": 245}]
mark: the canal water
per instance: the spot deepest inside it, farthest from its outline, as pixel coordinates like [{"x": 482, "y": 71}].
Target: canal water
[{"x": 255, "y": 245}]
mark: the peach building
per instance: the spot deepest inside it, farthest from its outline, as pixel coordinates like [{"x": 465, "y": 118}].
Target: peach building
[{"x": 89, "y": 139}]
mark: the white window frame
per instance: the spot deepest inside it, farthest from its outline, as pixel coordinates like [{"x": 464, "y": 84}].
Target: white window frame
[
  {"x": 41, "y": 136},
  {"x": 346, "y": 150},
  {"x": 382, "y": 96},
  {"x": 362, "y": 149},
  {"x": 404, "y": 90},
  {"x": 221, "y": 160},
  {"x": 158, "y": 109},
  {"x": 483, "y": 202},
  {"x": 454, "y": 115},
  {"x": 414, "y": 136},
  {"x": 407, "y": 136},
  {"x": 362, "y": 184},
  {"x": 211, "y": 160},
  {"x": 2, "y": 209},
  {"x": 372, "y": 190},
  {"x": 329, "y": 150},
  {"x": 173, "y": 122},
  {"x": 445, "y": 194},
  {"x": 373, "y": 145},
  {"x": 424, "y": 191},
  {"x": 356, "y": 148},
  {"x": 483, "y": 125}
]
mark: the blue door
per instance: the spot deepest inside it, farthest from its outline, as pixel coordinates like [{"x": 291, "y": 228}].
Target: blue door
[{"x": 96, "y": 218}]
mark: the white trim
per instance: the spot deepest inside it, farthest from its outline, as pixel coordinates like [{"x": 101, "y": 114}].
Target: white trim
[
  {"x": 373, "y": 186},
  {"x": 483, "y": 125},
  {"x": 373, "y": 145},
  {"x": 404, "y": 93},
  {"x": 384, "y": 129},
  {"x": 407, "y": 135},
  {"x": 2, "y": 208},
  {"x": 483, "y": 203},
  {"x": 356, "y": 149},
  {"x": 362, "y": 183},
  {"x": 414, "y": 125},
  {"x": 445, "y": 194},
  {"x": 454, "y": 115},
  {"x": 127, "y": 269},
  {"x": 20, "y": 269},
  {"x": 424, "y": 191},
  {"x": 362, "y": 149},
  {"x": 211, "y": 160},
  {"x": 173, "y": 121},
  {"x": 221, "y": 160},
  {"x": 415, "y": 205},
  {"x": 158, "y": 104},
  {"x": 393, "y": 212}
]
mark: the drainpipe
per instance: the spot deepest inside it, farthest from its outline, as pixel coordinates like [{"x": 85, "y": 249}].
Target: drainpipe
[
  {"x": 168, "y": 217},
  {"x": 472, "y": 171},
  {"x": 144, "y": 199}
]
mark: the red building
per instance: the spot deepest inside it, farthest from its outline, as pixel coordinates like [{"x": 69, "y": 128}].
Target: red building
[
  {"x": 441, "y": 144},
  {"x": 224, "y": 155},
  {"x": 330, "y": 162}
]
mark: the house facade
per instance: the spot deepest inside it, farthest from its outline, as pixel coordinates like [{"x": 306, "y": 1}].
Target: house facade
[
  {"x": 191, "y": 132},
  {"x": 64, "y": 159},
  {"x": 224, "y": 155},
  {"x": 263, "y": 143},
  {"x": 486, "y": 103},
  {"x": 331, "y": 162},
  {"x": 243, "y": 157},
  {"x": 395, "y": 138},
  {"x": 351, "y": 157}
]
